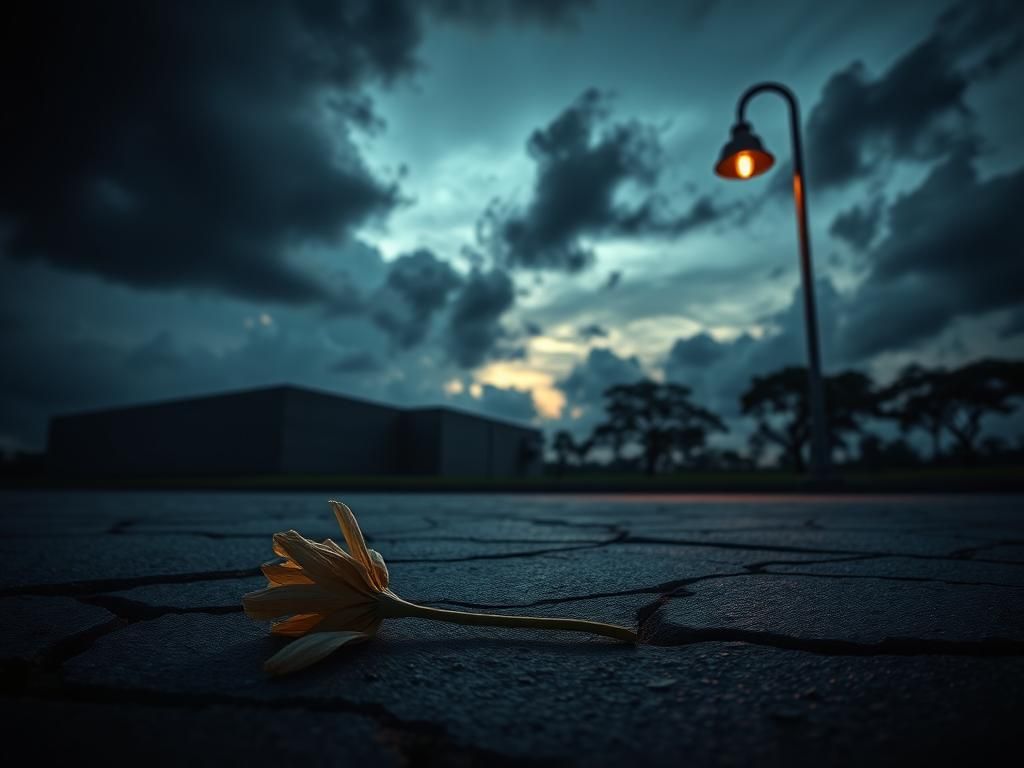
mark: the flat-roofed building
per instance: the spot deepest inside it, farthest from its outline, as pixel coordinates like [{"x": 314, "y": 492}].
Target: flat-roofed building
[{"x": 289, "y": 430}]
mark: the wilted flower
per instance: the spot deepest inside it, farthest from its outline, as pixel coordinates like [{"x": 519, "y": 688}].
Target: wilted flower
[{"x": 333, "y": 597}]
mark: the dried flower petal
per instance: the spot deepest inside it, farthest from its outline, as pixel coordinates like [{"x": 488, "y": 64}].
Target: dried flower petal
[
  {"x": 276, "y": 601},
  {"x": 308, "y": 650},
  {"x": 284, "y": 573},
  {"x": 378, "y": 568},
  {"x": 321, "y": 563},
  {"x": 356, "y": 543},
  {"x": 297, "y": 625}
]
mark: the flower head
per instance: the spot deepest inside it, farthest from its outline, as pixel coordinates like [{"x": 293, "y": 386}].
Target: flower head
[{"x": 331, "y": 597}]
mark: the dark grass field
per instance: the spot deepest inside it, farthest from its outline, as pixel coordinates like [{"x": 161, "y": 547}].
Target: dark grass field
[{"x": 985, "y": 479}]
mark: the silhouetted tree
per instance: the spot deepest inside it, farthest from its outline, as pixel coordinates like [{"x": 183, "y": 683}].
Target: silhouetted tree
[
  {"x": 875, "y": 453},
  {"x": 660, "y": 419},
  {"x": 998, "y": 450},
  {"x": 779, "y": 397},
  {"x": 564, "y": 446},
  {"x": 613, "y": 436},
  {"x": 851, "y": 396},
  {"x": 913, "y": 401},
  {"x": 531, "y": 450},
  {"x": 976, "y": 390},
  {"x": 955, "y": 402},
  {"x": 994, "y": 448},
  {"x": 727, "y": 459},
  {"x": 779, "y": 403},
  {"x": 581, "y": 450}
]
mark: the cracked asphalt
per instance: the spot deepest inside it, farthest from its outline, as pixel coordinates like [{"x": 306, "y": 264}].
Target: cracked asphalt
[{"x": 776, "y": 631}]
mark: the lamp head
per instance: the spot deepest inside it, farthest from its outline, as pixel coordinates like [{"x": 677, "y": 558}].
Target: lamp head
[{"x": 743, "y": 156}]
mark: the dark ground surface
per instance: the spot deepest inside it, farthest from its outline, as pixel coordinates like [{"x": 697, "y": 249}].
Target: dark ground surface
[{"x": 777, "y": 631}]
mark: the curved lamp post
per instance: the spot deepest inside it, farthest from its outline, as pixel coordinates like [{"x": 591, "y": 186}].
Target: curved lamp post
[{"x": 744, "y": 157}]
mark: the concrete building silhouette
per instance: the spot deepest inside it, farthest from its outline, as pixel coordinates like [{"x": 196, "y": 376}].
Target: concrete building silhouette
[{"x": 288, "y": 430}]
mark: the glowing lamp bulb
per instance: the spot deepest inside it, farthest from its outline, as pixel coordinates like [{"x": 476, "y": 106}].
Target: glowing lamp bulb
[{"x": 744, "y": 165}]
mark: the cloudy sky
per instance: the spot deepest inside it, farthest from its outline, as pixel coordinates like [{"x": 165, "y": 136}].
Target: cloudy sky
[{"x": 500, "y": 206}]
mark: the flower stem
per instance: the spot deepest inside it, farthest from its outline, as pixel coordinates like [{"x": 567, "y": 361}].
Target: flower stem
[{"x": 412, "y": 610}]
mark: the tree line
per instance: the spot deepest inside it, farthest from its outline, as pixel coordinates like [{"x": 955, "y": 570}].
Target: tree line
[{"x": 657, "y": 427}]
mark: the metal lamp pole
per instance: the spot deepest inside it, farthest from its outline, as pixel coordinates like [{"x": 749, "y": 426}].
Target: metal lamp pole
[{"x": 743, "y": 158}]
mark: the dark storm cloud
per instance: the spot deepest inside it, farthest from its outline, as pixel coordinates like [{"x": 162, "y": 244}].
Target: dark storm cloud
[
  {"x": 593, "y": 331},
  {"x": 158, "y": 354},
  {"x": 488, "y": 12},
  {"x": 916, "y": 108},
  {"x": 695, "y": 351},
  {"x": 47, "y": 372},
  {"x": 9, "y": 321},
  {"x": 187, "y": 144},
  {"x": 474, "y": 326},
  {"x": 858, "y": 225},
  {"x": 602, "y": 368},
  {"x": 951, "y": 246},
  {"x": 356, "y": 363},
  {"x": 719, "y": 371},
  {"x": 417, "y": 286},
  {"x": 651, "y": 218},
  {"x": 583, "y": 166},
  {"x": 953, "y": 249},
  {"x": 1014, "y": 325}
]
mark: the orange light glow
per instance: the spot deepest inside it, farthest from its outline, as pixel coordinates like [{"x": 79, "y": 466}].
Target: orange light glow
[{"x": 744, "y": 165}]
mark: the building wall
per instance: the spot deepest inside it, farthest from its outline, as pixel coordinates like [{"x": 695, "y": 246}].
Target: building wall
[
  {"x": 222, "y": 434},
  {"x": 474, "y": 446},
  {"x": 465, "y": 446},
  {"x": 420, "y": 442},
  {"x": 325, "y": 434},
  {"x": 515, "y": 451},
  {"x": 287, "y": 430}
]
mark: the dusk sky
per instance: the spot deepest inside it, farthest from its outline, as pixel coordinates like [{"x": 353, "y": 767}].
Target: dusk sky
[{"x": 503, "y": 207}]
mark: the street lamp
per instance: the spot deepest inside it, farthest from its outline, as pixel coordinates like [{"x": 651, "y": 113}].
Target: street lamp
[{"x": 744, "y": 157}]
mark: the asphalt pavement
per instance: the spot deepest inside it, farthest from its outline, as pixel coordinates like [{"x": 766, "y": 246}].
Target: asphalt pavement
[{"x": 776, "y": 630}]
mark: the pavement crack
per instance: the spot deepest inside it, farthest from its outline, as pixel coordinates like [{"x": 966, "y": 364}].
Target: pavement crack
[
  {"x": 759, "y": 567},
  {"x": 476, "y": 540},
  {"x": 134, "y": 610},
  {"x": 88, "y": 587},
  {"x": 69, "y": 647},
  {"x": 49, "y": 659},
  {"x": 666, "y": 590},
  {"x": 663, "y": 633},
  {"x": 614, "y": 528},
  {"x": 886, "y": 577},
  {"x": 418, "y": 742},
  {"x": 965, "y": 553},
  {"x": 124, "y": 612},
  {"x": 740, "y": 546},
  {"x": 669, "y": 586},
  {"x": 508, "y": 555},
  {"x": 213, "y": 535}
]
